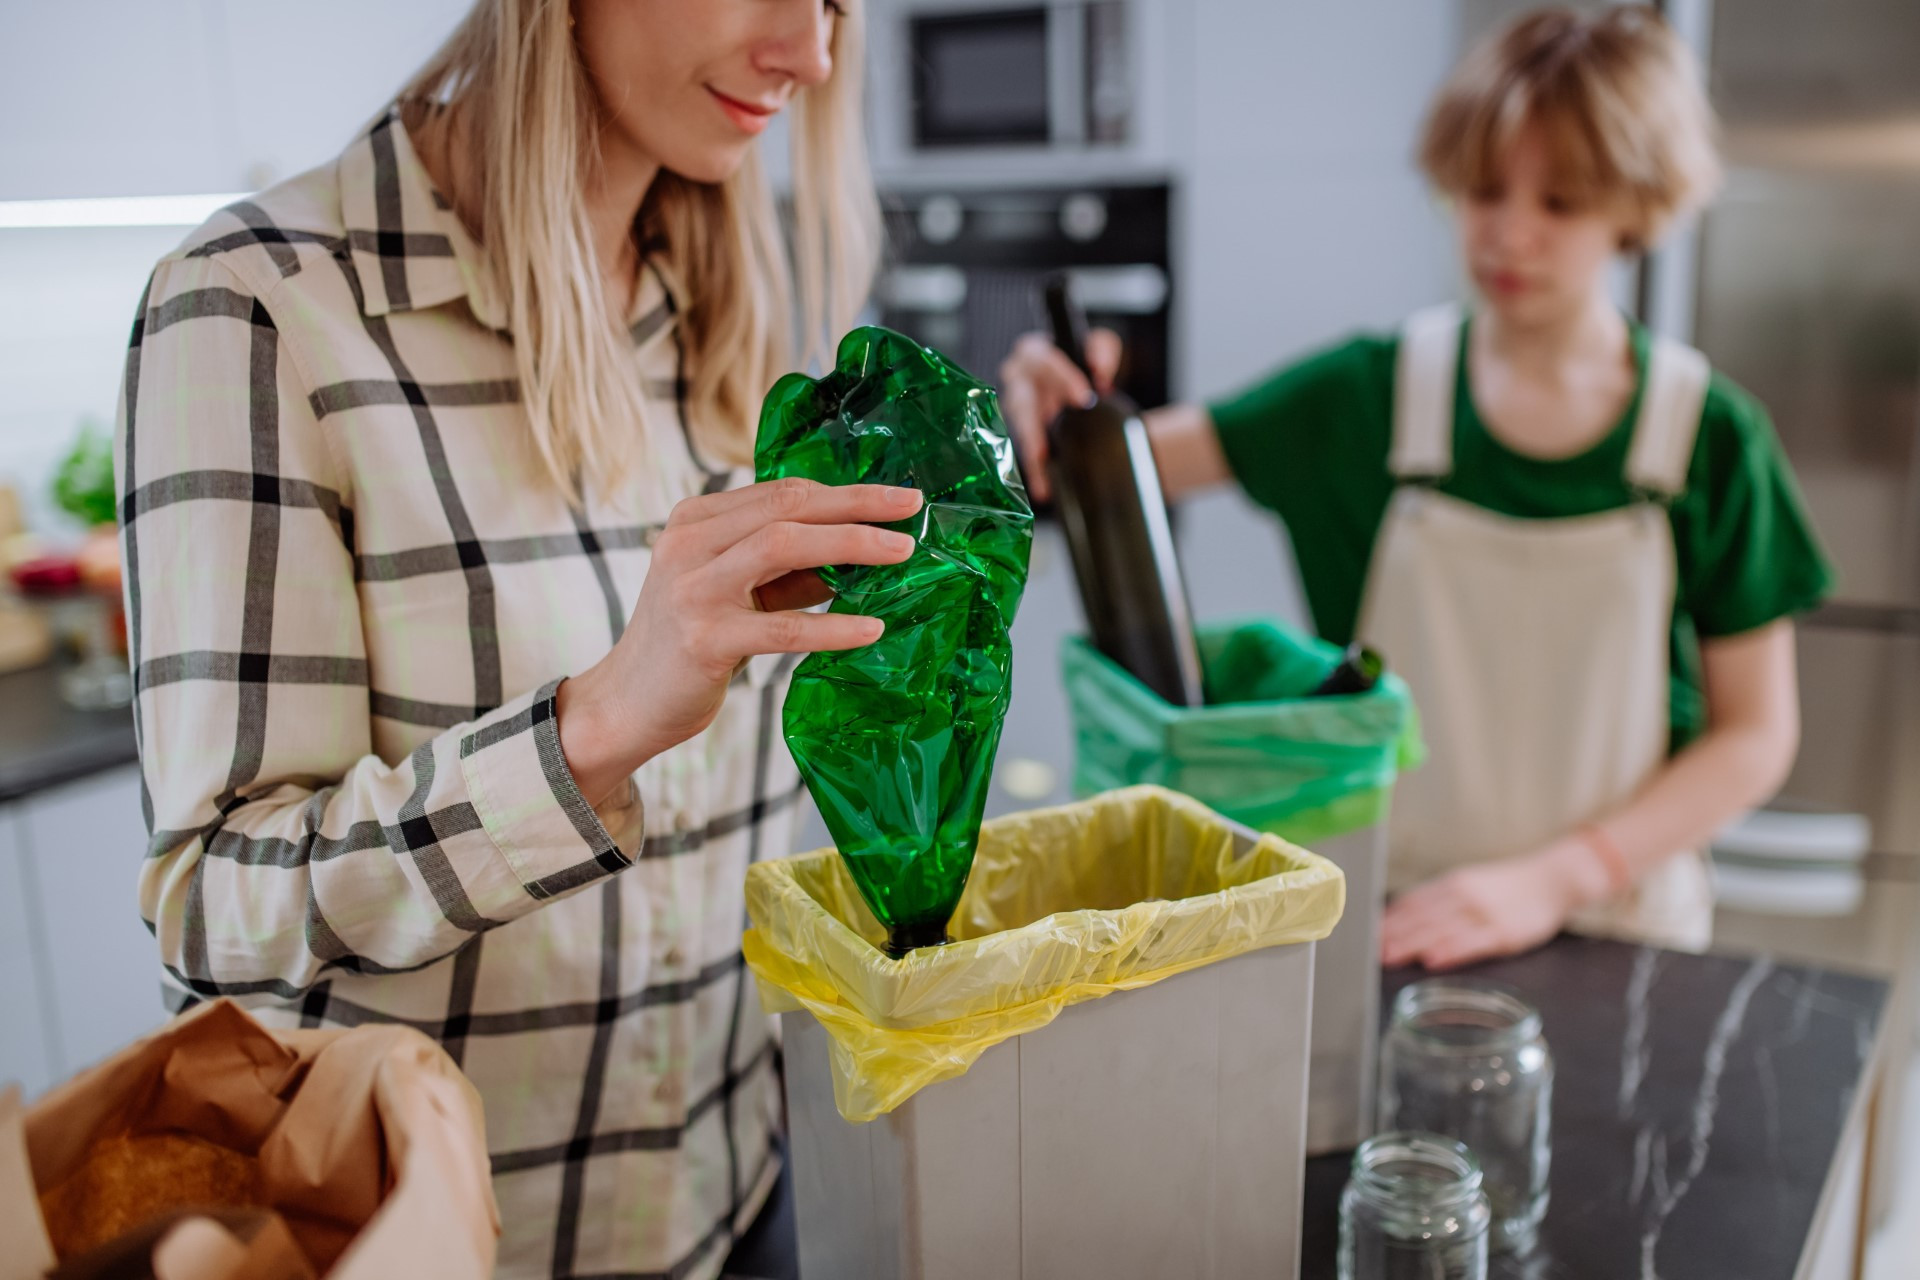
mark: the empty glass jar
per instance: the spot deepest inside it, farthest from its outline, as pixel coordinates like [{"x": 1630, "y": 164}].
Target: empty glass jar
[
  {"x": 1413, "y": 1209},
  {"x": 1466, "y": 1059}
]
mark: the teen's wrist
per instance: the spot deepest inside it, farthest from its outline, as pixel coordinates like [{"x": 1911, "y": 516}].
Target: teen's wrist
[{"x": 1581, "y": 871}]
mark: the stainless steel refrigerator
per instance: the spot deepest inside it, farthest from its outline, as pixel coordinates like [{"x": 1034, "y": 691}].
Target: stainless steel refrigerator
[{"x": 1802, "y": 282}]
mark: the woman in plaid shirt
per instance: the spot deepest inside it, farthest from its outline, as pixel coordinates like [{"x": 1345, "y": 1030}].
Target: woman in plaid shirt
[{"x": 457, "y": 627}]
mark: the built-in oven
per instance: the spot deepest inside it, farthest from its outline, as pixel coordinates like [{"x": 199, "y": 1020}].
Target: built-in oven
[
  {"x": 968, "y": 266},
  {"x": 966, "y": 274}
]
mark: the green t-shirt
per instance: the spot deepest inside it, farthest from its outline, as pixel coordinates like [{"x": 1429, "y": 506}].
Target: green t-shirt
[{"x": 1310, "y": 443}]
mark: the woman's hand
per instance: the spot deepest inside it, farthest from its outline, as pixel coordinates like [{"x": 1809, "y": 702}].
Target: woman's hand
[
  {"x": 1037, "y": 381},
  {"x": 1495, "y": 908},
  {"x": 730, "y": 576}
]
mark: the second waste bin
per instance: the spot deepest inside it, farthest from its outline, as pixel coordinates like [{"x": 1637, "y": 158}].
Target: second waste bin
[
  {"x": 1103, "y": 1075},
  {"x": 1316, "y": 771}
]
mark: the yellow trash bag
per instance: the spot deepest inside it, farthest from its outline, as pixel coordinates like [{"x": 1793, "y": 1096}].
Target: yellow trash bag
[{"x": 1063, "y": 905}]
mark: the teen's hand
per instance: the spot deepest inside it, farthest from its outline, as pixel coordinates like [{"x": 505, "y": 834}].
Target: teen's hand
[
  {"x": 730, "y": 576},
  {"x": 1037, "y": 381},
  {"x": 1496, "y": 908}
]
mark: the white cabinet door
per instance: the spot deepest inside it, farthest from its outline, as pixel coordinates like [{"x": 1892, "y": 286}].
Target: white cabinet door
[
  {"x": 113, "y": 97},
  {"x": 306, "y": 87},
  {"x": 26, "y": 1051},
  {"x": 154, "y": 97},
  {"x": 102, "y": 970}
]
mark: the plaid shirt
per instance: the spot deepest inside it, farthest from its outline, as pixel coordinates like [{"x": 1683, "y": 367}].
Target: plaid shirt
[{"x": 350, "y": 600}]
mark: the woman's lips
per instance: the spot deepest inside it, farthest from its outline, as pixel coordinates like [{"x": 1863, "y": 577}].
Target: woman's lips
[{"x": 749, "y": 118}]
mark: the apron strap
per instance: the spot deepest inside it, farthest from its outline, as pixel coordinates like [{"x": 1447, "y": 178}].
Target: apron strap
[
  {"x": 1424, "y": 375},
  {"x": 1670, "y": 407}
]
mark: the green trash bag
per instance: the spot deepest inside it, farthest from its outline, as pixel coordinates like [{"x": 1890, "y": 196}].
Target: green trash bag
[
  {"x": 1260, "y": 752},
  {"x": 896, "y": 740}
]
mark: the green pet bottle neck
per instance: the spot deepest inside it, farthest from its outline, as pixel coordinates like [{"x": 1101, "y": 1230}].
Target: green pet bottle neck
[{"x": 903, "y": 938}]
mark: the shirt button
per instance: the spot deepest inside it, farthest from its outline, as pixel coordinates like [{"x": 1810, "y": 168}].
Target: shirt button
[{"x": 673, "y": 957}]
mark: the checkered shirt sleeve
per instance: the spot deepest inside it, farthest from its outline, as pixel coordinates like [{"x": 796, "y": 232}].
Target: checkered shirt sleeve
[{"x": 282, "y": 847}]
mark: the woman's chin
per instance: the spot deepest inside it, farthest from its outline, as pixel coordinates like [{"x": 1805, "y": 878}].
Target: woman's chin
[{"x": 710, "y": 165}]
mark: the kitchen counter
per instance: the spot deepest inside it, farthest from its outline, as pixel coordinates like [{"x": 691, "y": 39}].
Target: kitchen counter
[
  {"x": 1707, "y": 1111},
  {"x": 1702, "y": 1107},
  {"x": 44, "y": 742}
]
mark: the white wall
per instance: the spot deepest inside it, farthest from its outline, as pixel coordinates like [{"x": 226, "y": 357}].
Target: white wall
[
  {"x": 66, "y": 303},
  {"x": 1302, "y": 218},
  {"x": 1304, "y": 215},
  {"x": 150, "y": 97}
]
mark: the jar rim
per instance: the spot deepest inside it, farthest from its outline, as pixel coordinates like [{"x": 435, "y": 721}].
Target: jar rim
[
  {"x": 1503, "y": 1019},
  {"x": 1416, "y": 1169}
]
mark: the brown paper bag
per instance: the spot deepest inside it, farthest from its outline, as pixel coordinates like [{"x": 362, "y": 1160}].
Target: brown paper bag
[{"x": 370, "y": 1146}]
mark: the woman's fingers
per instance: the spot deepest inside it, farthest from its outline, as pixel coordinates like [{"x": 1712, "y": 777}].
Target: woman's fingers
[
  {"x": 792, "y": 632},
  {"x": 716, "y": 522},
  {"x": 787, "y": 546},
  {"x": 801, "y": 590}
]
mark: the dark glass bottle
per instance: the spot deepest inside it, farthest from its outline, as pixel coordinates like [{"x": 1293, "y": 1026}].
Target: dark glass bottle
[
  {"x": 1107, "y": 489},
  {"x": 1358, "y": 670}
]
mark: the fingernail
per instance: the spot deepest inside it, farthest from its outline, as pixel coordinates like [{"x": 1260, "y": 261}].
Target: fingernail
[
  {"x": 900, "y": 543},
  {"x": 905, "y": 497},
  {"x": 875, "y": 629}
]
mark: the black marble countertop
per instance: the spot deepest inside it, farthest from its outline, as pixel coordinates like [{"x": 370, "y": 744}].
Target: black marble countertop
[
  {"x": 1698, "y": 1103},
  {"x": 44, "y": 742}
]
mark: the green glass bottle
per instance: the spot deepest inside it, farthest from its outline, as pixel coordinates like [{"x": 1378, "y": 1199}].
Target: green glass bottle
[{"x": 896, "y": 740}]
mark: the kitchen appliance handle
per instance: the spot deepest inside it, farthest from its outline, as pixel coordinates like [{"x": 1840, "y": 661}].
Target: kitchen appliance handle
[{"x": 1069, "y": 322}]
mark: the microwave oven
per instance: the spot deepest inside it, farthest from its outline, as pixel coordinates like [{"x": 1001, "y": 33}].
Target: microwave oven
[{"x": 998, "y": 76}]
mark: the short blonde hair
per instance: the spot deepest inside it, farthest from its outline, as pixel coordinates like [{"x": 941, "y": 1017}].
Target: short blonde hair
[{"x": 1618, "y": 102}]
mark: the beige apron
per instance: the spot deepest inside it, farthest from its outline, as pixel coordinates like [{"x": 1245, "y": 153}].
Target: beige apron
[{"x": 1537, "y": 650}]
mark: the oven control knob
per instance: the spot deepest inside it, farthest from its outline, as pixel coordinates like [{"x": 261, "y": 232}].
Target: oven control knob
[
  {"x": 941, "y": 218},
  {"x": 1083, "y": 217}
]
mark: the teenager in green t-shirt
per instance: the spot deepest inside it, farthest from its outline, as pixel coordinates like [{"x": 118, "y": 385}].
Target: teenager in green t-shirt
[{"x": 1581, "y": 547}]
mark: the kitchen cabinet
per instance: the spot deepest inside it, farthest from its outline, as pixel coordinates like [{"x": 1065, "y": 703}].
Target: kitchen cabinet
[
  {"x": 85, "y": 843},
  {"x": 25, "y": 1054},
  {"x": 148, "y": 97},
  {"x": 83, "y": 975}
]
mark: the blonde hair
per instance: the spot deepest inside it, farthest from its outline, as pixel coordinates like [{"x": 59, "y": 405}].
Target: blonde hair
[
  {"x": 1618, "y": 102},
  {"x": 513, "y": 68}
]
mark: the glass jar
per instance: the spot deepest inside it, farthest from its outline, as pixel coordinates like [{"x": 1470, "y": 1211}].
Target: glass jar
[
  {"x": 88, "y": 632},
  {"x": 1413, "y": 1209},
  {"x": 1466, "y": 1059}
]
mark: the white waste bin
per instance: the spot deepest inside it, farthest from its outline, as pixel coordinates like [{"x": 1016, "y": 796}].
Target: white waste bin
[
  {"x": 1156, "y": 1131},
  {"x": 1346, "y": 997}
]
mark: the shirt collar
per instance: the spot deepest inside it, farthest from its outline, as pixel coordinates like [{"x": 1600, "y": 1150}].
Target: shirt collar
[
  {"x": 411, "y": 251},
  {"x": 407, "y": 246}
]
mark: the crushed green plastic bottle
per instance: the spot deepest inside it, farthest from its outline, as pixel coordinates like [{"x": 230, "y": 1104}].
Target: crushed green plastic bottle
[{"x": 896, "y": 740}]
